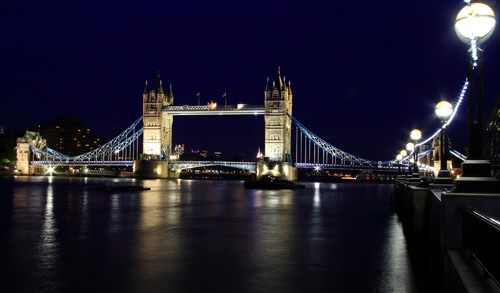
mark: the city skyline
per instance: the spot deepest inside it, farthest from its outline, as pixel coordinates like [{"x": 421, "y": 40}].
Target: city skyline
[{"x": 362, "y": 77}]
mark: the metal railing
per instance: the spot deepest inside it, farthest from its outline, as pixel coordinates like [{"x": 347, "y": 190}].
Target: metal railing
[{"x": 481, "y": 237}]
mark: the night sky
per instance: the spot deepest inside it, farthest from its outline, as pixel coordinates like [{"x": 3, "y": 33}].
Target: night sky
[{"x": 363, "y": 73}]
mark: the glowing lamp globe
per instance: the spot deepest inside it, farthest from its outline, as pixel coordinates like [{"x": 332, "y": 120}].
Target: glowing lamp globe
[
  {"x": 410, "y": 146},
  {"x": 475, "y": 22},
  {"x": 399, "y": 157},
  {"x": 444, "y": 110},
  {"x": 403, "y": 153},
  {"x": 415, "y": 135}
]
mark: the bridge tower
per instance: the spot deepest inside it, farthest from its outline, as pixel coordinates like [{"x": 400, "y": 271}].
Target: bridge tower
[
  {"x": 278, "y": 131},
  {"x": 157, "y": 136},
  {"x": 24, "y": 153},
  {"x": 278, "y": 102}
]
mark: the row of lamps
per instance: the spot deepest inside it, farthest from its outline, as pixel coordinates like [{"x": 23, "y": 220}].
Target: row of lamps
[{"x": 474, "y": 25}]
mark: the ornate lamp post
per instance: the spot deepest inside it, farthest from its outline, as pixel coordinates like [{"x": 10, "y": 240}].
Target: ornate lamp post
[
  {"x": 409, "y": 148},
  {"x": 443, "y": 112},
  {"x": 415, "y": 135},
  {"x": 399, "y": 158},
  {"x": 403, "y": 155},
  {"x": 474, "y": 25}
]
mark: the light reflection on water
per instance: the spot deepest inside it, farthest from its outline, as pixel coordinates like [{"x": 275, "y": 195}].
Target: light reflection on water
[{"x": 188, "y": 235}]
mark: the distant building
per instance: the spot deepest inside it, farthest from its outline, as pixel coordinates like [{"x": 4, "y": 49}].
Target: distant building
[
  {"x": 217, "y": 155},
  {"x": 179, "y": 150},
  {"x": 194, "y": 155},
  {"x": 203, "y": 153},
  {"x": 68, "y": 135},
  {"x": 491, "y": 136}
]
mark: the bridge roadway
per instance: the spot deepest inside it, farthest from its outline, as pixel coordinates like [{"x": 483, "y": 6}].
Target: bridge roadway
[
  {"x": 182, "y": 165},
  {"x": 214, "y": 109},
  {"x": 346, "y": 167},
  {"x": 82, "y": 163}
]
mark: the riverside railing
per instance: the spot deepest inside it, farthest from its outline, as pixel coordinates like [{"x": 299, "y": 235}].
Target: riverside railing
[{"x": 481, "y": 237}]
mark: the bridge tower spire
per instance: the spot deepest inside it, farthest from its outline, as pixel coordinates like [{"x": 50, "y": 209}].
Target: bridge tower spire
[{"x": 278, "y": 102}]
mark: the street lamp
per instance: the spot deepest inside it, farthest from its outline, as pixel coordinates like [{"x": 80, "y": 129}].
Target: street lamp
[
  {"x": 403, "y": 155},
  {"x": 399, "y": 158},
  {"x": 415, "y": 135},
  {"x": 409, "y": 147},
  {"x": 474, "y": 25},
  {"x": 443, "y": 112}
]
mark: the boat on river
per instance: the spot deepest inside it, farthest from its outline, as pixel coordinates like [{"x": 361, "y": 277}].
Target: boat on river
[
  {"x": 123, "y": 186},
  {"x": 270, "y": 182}
]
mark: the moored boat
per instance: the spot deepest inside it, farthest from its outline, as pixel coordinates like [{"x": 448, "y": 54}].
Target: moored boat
[
  {"x": 123, "y": 186},
  {"x": 269, "y": 182}
]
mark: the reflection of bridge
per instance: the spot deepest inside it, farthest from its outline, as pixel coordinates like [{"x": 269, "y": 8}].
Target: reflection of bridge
[{"x": 307, "y": 150}]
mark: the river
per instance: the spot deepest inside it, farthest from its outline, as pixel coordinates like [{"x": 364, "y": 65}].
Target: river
[{"x": 62, "y": 235}]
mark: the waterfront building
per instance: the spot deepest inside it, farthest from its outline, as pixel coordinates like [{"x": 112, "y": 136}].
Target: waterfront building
[{"x": 492, "y": 133}]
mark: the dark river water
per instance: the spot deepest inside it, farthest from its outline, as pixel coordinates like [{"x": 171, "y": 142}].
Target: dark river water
[{"x": 62, "y": 235}]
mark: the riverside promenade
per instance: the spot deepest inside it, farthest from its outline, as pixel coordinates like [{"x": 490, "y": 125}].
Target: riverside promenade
[{"x": 454, "y": 238}]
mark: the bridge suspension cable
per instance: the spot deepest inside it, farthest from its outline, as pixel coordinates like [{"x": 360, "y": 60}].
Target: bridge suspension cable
[
  {"x": 458, "y": 155},
  {"x": 450, "y": 119},
  {"x": 448, "y": 122},
  {"x": 320, "y": 149}
]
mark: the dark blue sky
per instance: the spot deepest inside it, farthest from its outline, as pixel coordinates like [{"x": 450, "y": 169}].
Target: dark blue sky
[{"x": 364, "y": 73}]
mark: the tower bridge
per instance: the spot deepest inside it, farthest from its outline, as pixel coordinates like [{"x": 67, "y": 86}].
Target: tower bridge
[
  {"x": 283, "y": 153},
  {"x": 158, "y": 116}
]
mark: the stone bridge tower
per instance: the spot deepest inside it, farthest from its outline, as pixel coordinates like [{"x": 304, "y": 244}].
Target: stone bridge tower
[
  {"x": 24, "y": 153},
  {"x": 278, "y": 131},
  {"x": 278, "y": 102},
  {"x": 157, "y": 136}
]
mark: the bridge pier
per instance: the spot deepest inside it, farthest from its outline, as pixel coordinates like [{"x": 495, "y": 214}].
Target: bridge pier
[
  {"x": 281, "y": 170},
  {"x": 153, "y": 169}
]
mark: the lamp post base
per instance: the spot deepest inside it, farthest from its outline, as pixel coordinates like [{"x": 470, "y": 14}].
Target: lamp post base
[
  {"x": 415, "y": 177},
  {"x": 444, "y": 177},
  {"x": 476, "y": 177}
]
